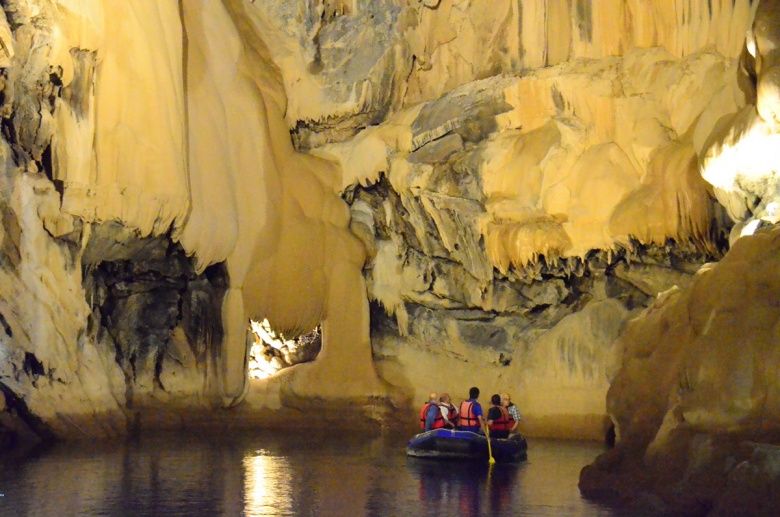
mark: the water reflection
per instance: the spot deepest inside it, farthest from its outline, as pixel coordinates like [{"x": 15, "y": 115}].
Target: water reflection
[
  {"x": 287, "y": 474},
  {"x": 267, "y": 485},
  {"x": 468, "y": 489}
]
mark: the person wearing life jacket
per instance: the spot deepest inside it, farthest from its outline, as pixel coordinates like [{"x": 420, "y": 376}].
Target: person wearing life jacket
[
  {"x": 498, "y": 418},
  {"x": 430, "y": 414},
  {"x": 470, "y": 415},
  {"x": 448, "y": 411}
]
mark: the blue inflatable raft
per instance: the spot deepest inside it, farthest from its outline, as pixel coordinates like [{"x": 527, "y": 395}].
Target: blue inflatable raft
[{"x": 465, "y": 445}]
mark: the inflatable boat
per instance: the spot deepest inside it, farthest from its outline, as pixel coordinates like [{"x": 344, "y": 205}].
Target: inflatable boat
[{"x": 465, "y": 445}]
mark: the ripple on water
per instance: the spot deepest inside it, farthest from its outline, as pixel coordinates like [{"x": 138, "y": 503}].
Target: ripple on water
[{"x": 293, "y": 473}]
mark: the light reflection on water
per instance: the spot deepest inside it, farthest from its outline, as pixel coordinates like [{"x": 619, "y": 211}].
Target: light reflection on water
[
  {"x": 288, "y": 474},
  {"x": 267, "y": 485}
]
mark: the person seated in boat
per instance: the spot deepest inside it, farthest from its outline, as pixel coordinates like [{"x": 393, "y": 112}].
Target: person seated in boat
[
  {"x": 448, "y": 411},
  {"x": 498, "y": 418},
  {"x": 514, "y": 413},
  {"x": 430, "y": 414},
  {"x": 470, "y": 415}
]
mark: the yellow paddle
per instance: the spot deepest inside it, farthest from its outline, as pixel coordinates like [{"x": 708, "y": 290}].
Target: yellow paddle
[{"x": 491, "y": 459}]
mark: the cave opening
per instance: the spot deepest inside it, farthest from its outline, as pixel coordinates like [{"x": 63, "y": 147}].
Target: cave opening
[{"x": 270, "y": 351}]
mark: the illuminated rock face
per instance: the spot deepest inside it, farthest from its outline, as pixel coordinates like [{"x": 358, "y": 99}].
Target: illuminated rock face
[
  {"x": 515, "y": 223},
  {"x": 152, "y": 204},
  {"x": 739, "y": 160},
  {"x": 506, "y": 185},
  {"x": 695, "y": 401}
]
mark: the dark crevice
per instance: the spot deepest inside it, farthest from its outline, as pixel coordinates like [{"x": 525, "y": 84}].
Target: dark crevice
[
  {"x": 55, "y": 79},
  {"x": 609, "y": 436},
  {"x": 16, "y": 405},
  {"x": 6, "y": 327},
  {"x": 9, "y": 134},
  {"x": 538, "y": 309},
  {"x": 308, "y": 134},
  {"x": 48, "y": 168},
  {"x": 32, "y": 366},
  {"x": 158, "y": 367},
  {"x": 380, "y": 322}
]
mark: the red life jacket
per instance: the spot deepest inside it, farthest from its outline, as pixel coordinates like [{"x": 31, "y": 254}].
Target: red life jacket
[
  {"x": 505, "y": 423},
  {"x": 438, "y": 422},
  {"x": 466, "y": 417}
]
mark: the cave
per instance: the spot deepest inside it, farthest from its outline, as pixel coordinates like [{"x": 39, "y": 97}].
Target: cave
[
  {"x": 271, "y": 351},
  {"x": 287, "y": 229}
]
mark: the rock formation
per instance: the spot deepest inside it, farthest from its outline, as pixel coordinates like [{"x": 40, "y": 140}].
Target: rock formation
[
  {"x": 153, "y": 203},
  {"x": 739, "y": 160},
  {"x": 457, "y": 195},
  {"x": 695, "y": 401},
  {"x": 485, "y": 251}
]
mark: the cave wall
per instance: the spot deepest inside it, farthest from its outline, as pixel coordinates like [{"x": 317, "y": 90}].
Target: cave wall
[
  {"x": 153, "y": 204},
  {"x": 695, "y": 400},
  {"x": 488, "y": 226},
  {"x": 514, "y": 223},
  {"x": 350, "y": 63},
  {"x": 507, "y": 186},
  {"x": 524, "y": 179}
]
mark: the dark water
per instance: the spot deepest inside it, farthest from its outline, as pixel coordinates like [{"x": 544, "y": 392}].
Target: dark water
[{"x": 288, "y": 474}]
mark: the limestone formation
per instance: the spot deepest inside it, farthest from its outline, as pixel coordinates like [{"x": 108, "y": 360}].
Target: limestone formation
[
  {"x": 132, "y": 168},
  {"x": 269, "y": 352},
  {"x": 488, "y": 194},
  {"x": 740, "y": 159},
  {"x": 695, "y": 401},
  {"x": 489, "y": 247}
]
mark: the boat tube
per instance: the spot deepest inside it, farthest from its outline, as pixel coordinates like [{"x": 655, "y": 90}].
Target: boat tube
[{"x": 466, "y": 445}]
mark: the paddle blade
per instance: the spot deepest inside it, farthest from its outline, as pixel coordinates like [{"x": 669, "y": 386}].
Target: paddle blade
[{"x": 491, "y": 459}]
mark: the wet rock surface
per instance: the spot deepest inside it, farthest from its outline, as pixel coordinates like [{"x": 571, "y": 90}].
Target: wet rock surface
[
  {"x": 694, "y": 402},
  {"x": 516, "y": 183},
  {"x": 694, "y": 407},
  {"x": 456, "y": 323},
  {"x": 514, "y": 223},
  {"x": 139, "y": 303}
]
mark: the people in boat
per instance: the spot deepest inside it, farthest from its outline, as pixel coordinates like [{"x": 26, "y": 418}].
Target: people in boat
[
  {"x": 498, "y": 418},
  {"x": 430, "y": 414},
  {"x": 448, "y": 411},
  {"x": 514, "y": 413},
  {"x": 470, "y": 415}
]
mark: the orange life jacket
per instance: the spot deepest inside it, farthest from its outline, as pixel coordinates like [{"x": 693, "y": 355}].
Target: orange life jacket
[
  {"x": 466, "y": 417},
  {"x": 504, "y": 423},
  {"x": 438, "y": 422}
]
